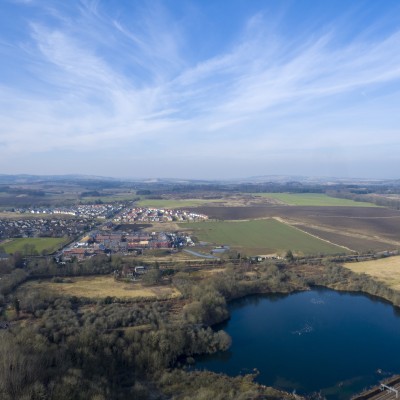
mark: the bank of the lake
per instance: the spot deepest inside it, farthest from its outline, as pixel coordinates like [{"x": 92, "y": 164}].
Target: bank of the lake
[{"x": 311, "y": 341}]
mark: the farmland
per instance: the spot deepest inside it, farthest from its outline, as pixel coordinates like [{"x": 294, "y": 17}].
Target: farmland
[
  {"x": 298, "y": 212},
  {"x": 313, "y": 199},
  {"x": 261, "y": 237},
  {"x": 386, "y": 270},
  {"x": 358, "y": 228},
  {"x": 174, "y": 203},
  {"x": 101, "y": 287},
  {"x": 48, "y": 245},
  {"x": 355, "y": 241}
]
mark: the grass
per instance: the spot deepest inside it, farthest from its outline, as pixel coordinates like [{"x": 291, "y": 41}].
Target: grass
[
  {"x": 108, "y": 199},
  {"x": 386, "y": 270},
  {"x": 166, "y": 203},
  {"x": 101, "y": 287},
  {"x": 261, "y": 237},
  {"x": 313, "y": 199},
  {"x": 40, "y": 244}
]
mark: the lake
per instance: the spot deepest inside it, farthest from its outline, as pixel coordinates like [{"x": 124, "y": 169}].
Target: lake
[{"x": 320, "y": 340}]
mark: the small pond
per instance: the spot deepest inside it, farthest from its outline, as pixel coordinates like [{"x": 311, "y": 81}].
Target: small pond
[{"x": 336, "y": 343}]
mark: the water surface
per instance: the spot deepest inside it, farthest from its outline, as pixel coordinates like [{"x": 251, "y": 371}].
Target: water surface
[{"x": 320, "y": 340}]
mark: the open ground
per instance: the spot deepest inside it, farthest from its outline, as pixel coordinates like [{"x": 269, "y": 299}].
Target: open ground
[
  {"x": 100, "y": 287},
  {"x": 358, "y": 228},
  {"x": 254, "y": 199},
  {"x": 386, "y": 270},
  {"x": 175, "y": 203},
  {"x": 261, "y": 237},
  {"x": 49, "y": 245},
  {"x": 313, "y": 199}
]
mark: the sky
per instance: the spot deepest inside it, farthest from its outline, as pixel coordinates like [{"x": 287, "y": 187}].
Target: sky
[{"x": 202, "y": 89}]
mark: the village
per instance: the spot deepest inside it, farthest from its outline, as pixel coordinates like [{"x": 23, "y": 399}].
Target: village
[
  {"x": 139, "y": 214},
  {"x": 101, "y": 211},
  {"x": 106, "y": 229},
  {"x": 133, "y": 243},
  {"x": 44, "y": 227},
  {"x": 74, "y": 221}
]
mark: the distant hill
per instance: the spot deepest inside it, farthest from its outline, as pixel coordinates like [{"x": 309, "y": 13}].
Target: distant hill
[{"x": 292, "y": 180}]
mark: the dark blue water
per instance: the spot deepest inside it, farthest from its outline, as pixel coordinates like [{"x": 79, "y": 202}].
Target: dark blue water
[{"x": 321, "y": 340}]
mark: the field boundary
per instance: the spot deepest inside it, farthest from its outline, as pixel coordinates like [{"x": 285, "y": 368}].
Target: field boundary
[
  {"x": 279, "y": 219},
  {"x": 347, "y": 233}
]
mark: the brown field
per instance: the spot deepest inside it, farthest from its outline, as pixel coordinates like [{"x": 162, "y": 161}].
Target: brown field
[
  {"x": 162, "y": 227},
  {"x": 235, "y": 213},
  {"x": 358, "y": 243},
  {"x": 100, "y": 287},
  {"x": 377, "y": 226},
  {"x": 386, "y": 270}
]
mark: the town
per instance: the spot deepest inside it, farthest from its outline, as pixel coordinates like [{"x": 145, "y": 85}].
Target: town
[
  {"x": 95, "y": 229},
  {"x": 124, "y": 243}
]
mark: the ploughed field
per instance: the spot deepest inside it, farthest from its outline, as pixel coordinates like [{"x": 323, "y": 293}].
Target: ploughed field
[
  {"x": 312, "y": 199},
  {"x": 359, "y": 228},
  {"x": 358, "y": 243},
  {"x": 264, "y": 236}
]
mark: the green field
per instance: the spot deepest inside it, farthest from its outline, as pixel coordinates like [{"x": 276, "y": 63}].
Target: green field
[
  {"x": 108, "y": 199},
  {"x": 39, "y": 244},
  {"x": 261, "y": 237},
  {"x": 174, "y": 203},
  {"x": 313, "y": 199}
]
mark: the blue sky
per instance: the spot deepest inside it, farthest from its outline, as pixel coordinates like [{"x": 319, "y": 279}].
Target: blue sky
[{"x": 200, "y": 89}]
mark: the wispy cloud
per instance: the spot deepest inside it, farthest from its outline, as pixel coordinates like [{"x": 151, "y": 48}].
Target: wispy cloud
[{"x": 99, "y": 82}]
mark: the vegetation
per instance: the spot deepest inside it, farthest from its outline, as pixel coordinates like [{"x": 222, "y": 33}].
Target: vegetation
[
  {"x": 32, "y": 246},
  {"x": 75, "y": 347},
  {"x": 386, "y": 270},
  {"x": 340, "y": 278},
  {"x": 76, "y": 333},
  {"x": 100, "y": 287},
  {"x": 104, "y": 347},
  {"x": 261, "y": 237},
  {"x": 172, "y": 203},
  {"x": 314, "y": 199}
]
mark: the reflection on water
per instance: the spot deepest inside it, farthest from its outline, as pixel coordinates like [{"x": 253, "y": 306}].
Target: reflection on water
[
  {"x": 335, "y": 343},
  {"x": 307, "y": 328},
  {"x": 317, "y": 301}
]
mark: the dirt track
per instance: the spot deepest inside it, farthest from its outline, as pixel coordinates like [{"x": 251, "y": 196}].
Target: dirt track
[{"x": 356, "y": 227}]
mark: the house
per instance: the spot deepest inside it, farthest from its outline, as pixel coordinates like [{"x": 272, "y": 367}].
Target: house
[
  {"x": 140, "y": 270},
  {"x": 4, "y": 257},
  {"x": 79, "y": 253},
  {"x": 4, "y": 325}
]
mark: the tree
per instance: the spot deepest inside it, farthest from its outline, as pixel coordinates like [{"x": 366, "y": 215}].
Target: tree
[
  {"x": 152, "y": 277},
  {"x": 289, "y": 256},
  {"x": 17, "y": 306}
]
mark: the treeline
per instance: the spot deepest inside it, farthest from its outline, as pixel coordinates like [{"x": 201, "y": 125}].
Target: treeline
[
  {"x": 71, "y": 347},
  {"x": 78, "y": 348},
  {"x": 74, "y": 349},
  {"x": 18, "y": 269},
  {"x": 366, "y": 195},
  {"x": 339, "y": 278}
]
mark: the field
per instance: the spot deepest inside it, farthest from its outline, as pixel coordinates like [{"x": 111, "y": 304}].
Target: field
[
  {"x": 376, "y": 225},
  {"x": 172, "y": 203},
  {"x": 297, "y": 212},
  {"x": 313, "y": 199},
  {"x": 261, "y": 237},
  {"x": 109, "y": 196},
  {"x": 100, "y": 287},
  {"x": 386, "y": 270},
  {"x": 20, "y": 245},
  {"x": 357, "y": 242}
]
